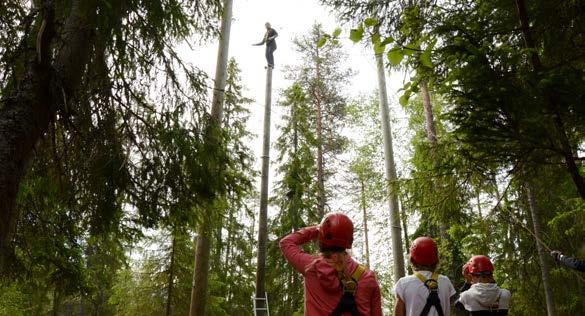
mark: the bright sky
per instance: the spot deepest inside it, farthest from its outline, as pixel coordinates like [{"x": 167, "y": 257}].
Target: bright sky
[{"x": 291, "y": 19}]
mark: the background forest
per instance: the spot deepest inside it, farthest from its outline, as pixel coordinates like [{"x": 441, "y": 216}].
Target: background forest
[{"x": 123, "y": 191}]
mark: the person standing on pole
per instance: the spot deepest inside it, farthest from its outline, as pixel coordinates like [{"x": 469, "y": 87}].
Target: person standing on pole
[
  {"x": 335, "y": 284},
  {"x": 269, "y": 40}
]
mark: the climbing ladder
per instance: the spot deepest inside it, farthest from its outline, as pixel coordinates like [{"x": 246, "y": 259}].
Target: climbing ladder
[{"x": 256, "y": 308}]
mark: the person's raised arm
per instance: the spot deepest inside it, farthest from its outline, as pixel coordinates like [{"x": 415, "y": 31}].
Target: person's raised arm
[{"x": 290, "y": 246}]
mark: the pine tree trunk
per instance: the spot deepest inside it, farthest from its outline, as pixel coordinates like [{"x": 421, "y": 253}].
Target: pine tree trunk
[
  {"x": 542, "y": 256},
  {"x": 365, "y": 219},
  {"x": 201, "y": 270},
  {"x": 320, "y": 168},
  {"x": 431, "y": 131},
  {"x": 25, "y": 113},
  {"x": 391, "y": 178},
  {"x": 171, "y": 276}
]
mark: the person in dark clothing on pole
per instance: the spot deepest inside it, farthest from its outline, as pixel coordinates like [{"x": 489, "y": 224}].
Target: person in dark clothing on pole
[
  {"x": 270, "y": 44},
  {"x": 569, "y": 262}
]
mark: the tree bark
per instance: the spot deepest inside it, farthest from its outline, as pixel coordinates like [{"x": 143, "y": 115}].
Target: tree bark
[
  {"x": 26, "y": 112},
  {"x": 260, "y": 296},
  {"x": 201, "y": 270},
  {"x": 320, "y": 164},
  {"x": 171, "y": 276},
  {"x": 542, "y": 255},
  {"x": 365, "y": 219},
  {"x": 391, "y": 178},
  {"x": 431, "y": 132}
]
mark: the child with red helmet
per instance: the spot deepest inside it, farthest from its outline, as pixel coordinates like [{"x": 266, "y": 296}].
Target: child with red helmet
[
  {"x": 425, "y": 292},
  {"x": 335, "y": 284},
  {"x": 484, "y": 297}
]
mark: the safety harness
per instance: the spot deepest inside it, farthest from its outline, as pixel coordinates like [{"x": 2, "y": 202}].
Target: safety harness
[
  {"x": 433, "y": 299},
  {"x": 349, "y": 285}
]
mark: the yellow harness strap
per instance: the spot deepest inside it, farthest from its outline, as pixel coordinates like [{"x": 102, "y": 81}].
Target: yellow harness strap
[
  {"x": 350, "y": 284},
  {"x": 357, "y": 274},
  {"x": 433, "y": 285}
]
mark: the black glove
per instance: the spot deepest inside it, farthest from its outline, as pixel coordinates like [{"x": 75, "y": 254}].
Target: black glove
[{"x": 556, "y": 255}]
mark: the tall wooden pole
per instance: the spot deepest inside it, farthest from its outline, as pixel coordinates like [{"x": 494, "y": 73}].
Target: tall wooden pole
[
  {"x": 262, "y": 227},
  {"x": 395, "y": 229},
  {"x": 201, "y": 270}
]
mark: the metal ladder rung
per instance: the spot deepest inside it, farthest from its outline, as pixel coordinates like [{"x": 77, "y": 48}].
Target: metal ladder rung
[{"x": 256, "y": 309}]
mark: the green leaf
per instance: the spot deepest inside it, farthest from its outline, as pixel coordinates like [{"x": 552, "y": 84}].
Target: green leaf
[
  {"x": 387, "y": 41},
  {"x": 370, "y": 22},
  {"x": 395, "y": 55},
  {"x": 337, "y": 32},
  {"x": 356, "y": 34},
  {"x": 425, "y": 59},
  {"x": 379, "y": 49},
  {"x": 404, "y": 98},
  {"x": 321, "y": 42},
  {"x": 376, "y": 38}
]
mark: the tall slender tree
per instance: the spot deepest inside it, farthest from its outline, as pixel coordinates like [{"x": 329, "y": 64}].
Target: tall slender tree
[{"x": 323, "y": 78}]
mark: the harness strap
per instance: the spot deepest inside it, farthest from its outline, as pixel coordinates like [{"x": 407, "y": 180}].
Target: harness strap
[
  {"x": 349, "y": 284},
  {"x": 433, "y": 299},
  {"x": 495, "y": 306}
]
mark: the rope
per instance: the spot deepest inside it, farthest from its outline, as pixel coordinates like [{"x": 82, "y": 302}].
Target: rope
[{"x": 532, "y": 233}]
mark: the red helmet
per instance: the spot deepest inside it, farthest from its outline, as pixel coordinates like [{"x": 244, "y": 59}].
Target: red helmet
[
  {"x": 423, "y": 251},
  {"x": 336, "y": 230},
  {"x": 478, "y": 264}
]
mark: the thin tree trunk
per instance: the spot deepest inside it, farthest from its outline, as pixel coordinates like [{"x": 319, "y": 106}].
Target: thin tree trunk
[
  {"x": 201, "y": 271},
  {"x": 262, "y": 226},
  {"x": 320, "y": 164},
  {"x": 542, "y": 256},
  {"x": 551, "y": 102},
  {"x": 171, "y": 276},
  {"x": 431, "y": 131},
  {"x": 391, "y": 178},
  {"x": 25, "y": 113},
  {"x": 365, "y": 219}
]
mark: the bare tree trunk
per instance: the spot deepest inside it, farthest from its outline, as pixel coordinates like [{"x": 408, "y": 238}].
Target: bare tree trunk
[
  {"x": 25, "y": 113},
  {"x": 262, "y": 226},
  {"x": 391, "y": 178},
  {"x": 171, "y": 276},
  {"x": 320, "y": 168},
  {"x": 542, "y": 256},
  {"x": 201, "y": 271},
  {"x": 431, "y": 131},
  {"x": 365, "y": 219}
]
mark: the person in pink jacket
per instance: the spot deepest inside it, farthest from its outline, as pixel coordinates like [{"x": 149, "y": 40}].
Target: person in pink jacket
[{"x": 335, "y": 284}]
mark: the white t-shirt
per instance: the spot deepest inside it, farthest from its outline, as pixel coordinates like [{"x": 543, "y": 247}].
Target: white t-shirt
[
  {"x": 481, "y": 296},
  {"x": 414, "y": 293}
]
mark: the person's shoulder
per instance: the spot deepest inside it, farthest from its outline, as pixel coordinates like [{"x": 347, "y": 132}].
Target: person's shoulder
[
  {"x": 444, "y": 279},
  {"x": 504, "y": 293}
]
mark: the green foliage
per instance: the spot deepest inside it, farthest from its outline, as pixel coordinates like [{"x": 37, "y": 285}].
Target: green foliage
[
  {"x": 357, "y": 34},
  {"x": 510, "y": 101},
  {"x": 295, "y": 197}
]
